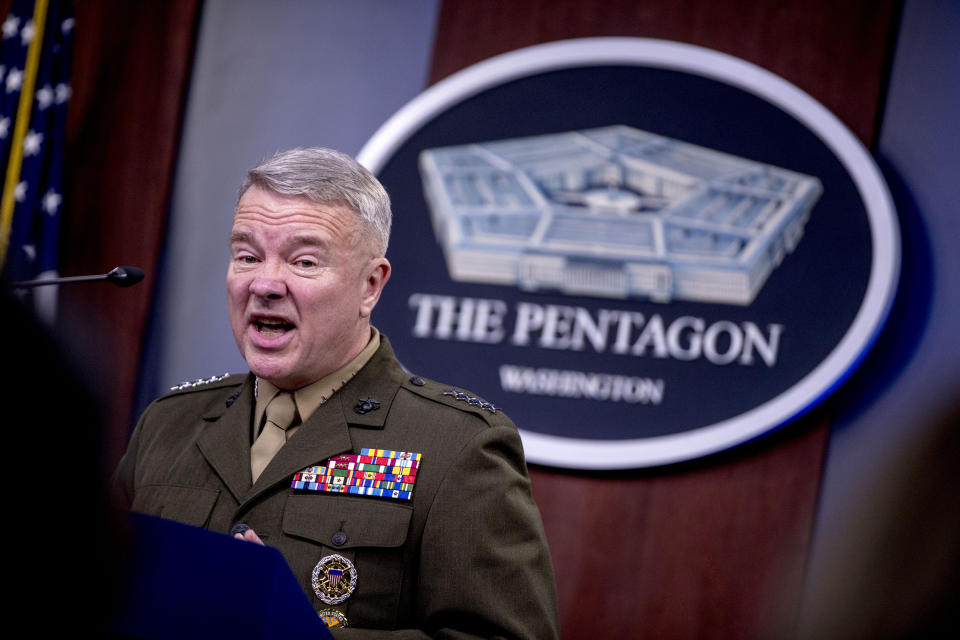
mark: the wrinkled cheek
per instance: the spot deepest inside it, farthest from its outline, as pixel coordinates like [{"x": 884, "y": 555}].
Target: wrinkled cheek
[
  {"x": 235, "y": 309},
  {"x": 238, "y": 331},
  {"x": 238, "y": 290}
]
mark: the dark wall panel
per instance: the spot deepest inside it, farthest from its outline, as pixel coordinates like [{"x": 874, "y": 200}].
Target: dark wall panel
[
  {"x": 834, "y": 51},
  {"x": 715, "y": 548}
]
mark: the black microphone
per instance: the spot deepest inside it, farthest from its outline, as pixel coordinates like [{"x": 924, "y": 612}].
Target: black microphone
[{"x": 120, "y": 276}]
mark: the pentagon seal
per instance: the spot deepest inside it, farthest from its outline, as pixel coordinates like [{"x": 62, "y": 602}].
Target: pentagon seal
[
  {"x": 591, "y": 241},
  {"x": 334, "y": 579},
  {"x": 333, "y": 618}
]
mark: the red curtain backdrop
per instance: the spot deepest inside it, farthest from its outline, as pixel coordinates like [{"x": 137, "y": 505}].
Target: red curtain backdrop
[{"x": 130, "y": 75}]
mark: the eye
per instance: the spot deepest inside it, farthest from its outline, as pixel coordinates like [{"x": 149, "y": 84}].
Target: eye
[
  {"x": 243, "y": 258},
  {"x": 305, "y": 263}
]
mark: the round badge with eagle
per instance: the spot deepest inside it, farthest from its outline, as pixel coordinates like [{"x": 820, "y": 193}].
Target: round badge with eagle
[{"x": 334, "y": 579}]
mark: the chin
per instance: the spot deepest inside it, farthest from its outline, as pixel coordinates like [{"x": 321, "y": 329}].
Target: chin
[{"x": 275, "y": 372}]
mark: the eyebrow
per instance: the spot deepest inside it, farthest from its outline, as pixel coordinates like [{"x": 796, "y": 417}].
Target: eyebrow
[
  {"x": 240, "y": 236},
  {"x": 306, "y": 240}
]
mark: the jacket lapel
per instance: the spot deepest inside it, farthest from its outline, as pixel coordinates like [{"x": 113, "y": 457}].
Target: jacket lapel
[{"x": 225, "y": 443}]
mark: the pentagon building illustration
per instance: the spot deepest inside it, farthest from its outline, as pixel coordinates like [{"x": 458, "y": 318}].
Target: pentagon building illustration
[{"x": 614, "y": 212}]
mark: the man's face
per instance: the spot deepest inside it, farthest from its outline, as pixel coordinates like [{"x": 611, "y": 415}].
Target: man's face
[{"x": 301, "y": 284}]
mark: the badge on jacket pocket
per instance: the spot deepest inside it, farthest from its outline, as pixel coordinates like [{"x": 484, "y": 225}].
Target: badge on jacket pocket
[{"x": 334, "y": 579}]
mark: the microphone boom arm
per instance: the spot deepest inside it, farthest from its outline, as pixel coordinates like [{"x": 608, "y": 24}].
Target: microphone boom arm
[{"x": 120, "y": 276}]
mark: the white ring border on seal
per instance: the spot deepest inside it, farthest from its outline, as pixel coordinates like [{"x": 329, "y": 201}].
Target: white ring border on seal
[{"x": 579, "y": 453}]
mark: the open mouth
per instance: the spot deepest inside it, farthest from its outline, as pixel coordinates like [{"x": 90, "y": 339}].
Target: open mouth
[{"x": 272, "y": 328}]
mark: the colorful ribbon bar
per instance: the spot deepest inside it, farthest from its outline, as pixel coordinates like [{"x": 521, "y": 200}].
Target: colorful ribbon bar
[{"x": 373, "y": 472}]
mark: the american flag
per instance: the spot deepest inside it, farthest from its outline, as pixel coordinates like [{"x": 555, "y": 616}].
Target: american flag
[{"x": 32, "y": 137}]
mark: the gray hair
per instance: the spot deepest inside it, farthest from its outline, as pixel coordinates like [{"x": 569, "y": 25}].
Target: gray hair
[{"x": 326, "y": 176}]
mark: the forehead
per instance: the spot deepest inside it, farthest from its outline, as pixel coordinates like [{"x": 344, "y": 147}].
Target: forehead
[{"x": 262, "y": 209}]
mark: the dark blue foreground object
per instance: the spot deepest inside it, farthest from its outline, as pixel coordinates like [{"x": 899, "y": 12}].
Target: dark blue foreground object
[{"x": 186, "y": 582}]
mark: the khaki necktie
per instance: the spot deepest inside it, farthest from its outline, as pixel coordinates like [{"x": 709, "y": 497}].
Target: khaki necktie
[{"x": 280, "y": 414}]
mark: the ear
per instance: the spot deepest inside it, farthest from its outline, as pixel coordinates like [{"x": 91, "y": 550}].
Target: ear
[{"x": 377, "y": 274}]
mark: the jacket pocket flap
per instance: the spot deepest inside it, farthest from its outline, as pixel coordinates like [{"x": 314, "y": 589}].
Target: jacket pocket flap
[
  {"x": 189, "y": 505},
  {"x": 346, "y": 522}
]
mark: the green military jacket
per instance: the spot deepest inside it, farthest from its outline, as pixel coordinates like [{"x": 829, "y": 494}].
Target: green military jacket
[{"x": 466, "y": 556}]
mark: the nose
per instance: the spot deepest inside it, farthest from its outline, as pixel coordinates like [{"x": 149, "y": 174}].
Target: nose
[{"x": 268, "y": 286}]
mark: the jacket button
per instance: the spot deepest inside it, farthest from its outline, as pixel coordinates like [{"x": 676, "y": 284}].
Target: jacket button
[
  {"x": 417, "y": 380},
  {"x": 339, "y": 539}
]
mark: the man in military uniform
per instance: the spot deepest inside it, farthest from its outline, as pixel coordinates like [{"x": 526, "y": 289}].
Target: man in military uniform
[{"x": 399, "y": 503}]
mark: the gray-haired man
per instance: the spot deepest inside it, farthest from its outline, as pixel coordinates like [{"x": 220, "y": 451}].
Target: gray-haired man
[{"x": 399, "y": 503}]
